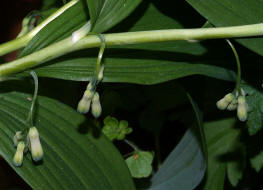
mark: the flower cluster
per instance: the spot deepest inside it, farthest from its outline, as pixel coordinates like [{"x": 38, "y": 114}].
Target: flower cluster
[
  {"x": 233, "y": 101},
  {"x": 31, "y": 143},
  {"x": 91, "y": 99}
]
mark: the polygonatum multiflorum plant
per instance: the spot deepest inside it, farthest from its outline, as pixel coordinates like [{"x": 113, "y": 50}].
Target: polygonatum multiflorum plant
[{"x": 145, "y": 112}]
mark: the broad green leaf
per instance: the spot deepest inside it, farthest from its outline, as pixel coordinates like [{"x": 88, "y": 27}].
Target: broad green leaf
[
  {"x": 140, "y": 164},
  {"x": 61, "y": 27},
  {"x": 257, "y": 161},
  {"x": 106, "y": 13},
  {"x": 231, "y": 13},
  {"x": 145, "y": 63},
  {"x": 185, "y": 167},
  {"x": 150, "y": 71},
  {"x": 221, "y": 136},
  {"x": 71, "y": 160}
]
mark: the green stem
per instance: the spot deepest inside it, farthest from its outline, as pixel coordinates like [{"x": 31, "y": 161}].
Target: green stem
[
  {"x": 31, "y": 111},
  {"x": 15, "y": 44},
  {"x": 67, "y": 45},
  {"x": 238, "y": 79},
  {"x": 131, "y": 144},
  {"x": 23, "y": 40},
  {"x": 98, "y": 65}
]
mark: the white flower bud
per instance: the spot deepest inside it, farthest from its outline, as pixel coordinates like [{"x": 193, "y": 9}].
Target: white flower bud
[
  {"x": 241, "y": 100},
  {"x": 18, "y": 137},
  {"x": 229, "y": 97},
  {"x": 96, "y": 107},
  {"x": 35, "y": 145},
  {"x": 18, "y": 157},
  {"x": 242, "y": 108},
  {"x": 222, "y": 104},
  {"x": 242, "y": 112},
  {"x": 83, "y": 106}
]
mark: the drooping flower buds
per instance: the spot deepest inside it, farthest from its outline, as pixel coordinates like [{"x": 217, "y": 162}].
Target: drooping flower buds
[
  {"x": 242, "y": 108},
  {"x": 18, "y": 158},
  {"x": 90, "y": 99},
  {"x": 84, "y": 103},
  {"x": 224, "y": 102},
  {"x": 232, "y": 102},
  {"x": 96, "y": 106},
  {"x": 35, "y": 145}
]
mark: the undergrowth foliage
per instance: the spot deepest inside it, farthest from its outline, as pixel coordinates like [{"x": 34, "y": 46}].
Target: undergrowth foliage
[{"x": 154, "y": 113}]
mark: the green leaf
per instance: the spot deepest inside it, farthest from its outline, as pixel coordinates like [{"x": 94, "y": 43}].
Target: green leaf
[
  {"x": 106, "y": 13},
  {"x": 143, "y": 64},
  {"x": 231, "y": 13},
  {"x": 255, "y": 106},
  {"x": 236, "y": 167},
  {"x": 114, "y": 129},
  {"x": 257, "y": 161},
  {"x": 71, "y": 160},
  {"x": 185, "y": 167},
  {"x": 58, "y": 29},
  {"x": 112, "y": 121},
  {"x": 234, "y": 173},
  {"x": 135, "y": 70},
  {"x": 140, "y": 164},
  {"x": 221, "y": 136}
]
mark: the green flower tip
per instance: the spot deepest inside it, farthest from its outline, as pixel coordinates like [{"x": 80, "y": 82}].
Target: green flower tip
[
  {"x": 17, "y": 138},
  {"x": 35, "y": 145},
  {"x": 18, "y": 157},
  {"x": 96, "y": 106}
]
